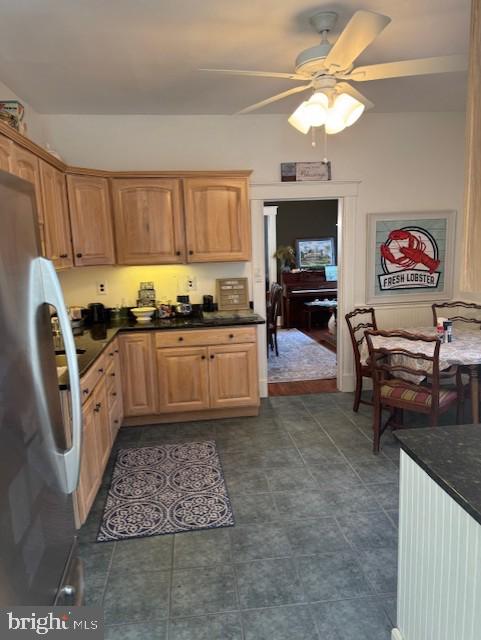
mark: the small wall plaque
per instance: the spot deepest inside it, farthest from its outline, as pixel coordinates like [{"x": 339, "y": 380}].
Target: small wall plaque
[
  {"x": 232, "y": 293},
  {"x": 302, "y": 171}
]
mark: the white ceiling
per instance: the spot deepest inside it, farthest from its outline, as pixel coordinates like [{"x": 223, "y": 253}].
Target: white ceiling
[{"x": 143, "y": 56}]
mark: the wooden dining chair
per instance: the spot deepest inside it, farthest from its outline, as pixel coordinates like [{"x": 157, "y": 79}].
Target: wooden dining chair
[
  {"x": 397, "y": 372},
  {"x": 273, "y": 311},
  {"x": 358, "y": 321},
  {"x": 458, "y": 311}
]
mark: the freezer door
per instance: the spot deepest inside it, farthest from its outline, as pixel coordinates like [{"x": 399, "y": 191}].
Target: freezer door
[{"x": 36, "y": 513}]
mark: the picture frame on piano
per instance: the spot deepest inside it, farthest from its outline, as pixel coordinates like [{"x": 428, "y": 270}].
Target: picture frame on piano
[{"x": 315, "y": 253}]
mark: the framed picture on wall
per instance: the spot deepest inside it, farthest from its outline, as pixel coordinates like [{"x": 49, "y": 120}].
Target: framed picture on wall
[
  {"x": 410, "y": 256},
  {"x": 315, "y": 253}
]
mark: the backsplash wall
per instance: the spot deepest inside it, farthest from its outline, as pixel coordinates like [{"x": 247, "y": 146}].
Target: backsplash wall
[{"x": 80, "y": 285}]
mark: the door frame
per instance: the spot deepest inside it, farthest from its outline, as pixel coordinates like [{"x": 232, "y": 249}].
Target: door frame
[{"x": 346, "y": 193}]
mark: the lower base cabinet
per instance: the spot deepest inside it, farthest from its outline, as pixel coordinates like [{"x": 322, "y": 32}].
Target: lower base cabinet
[
  {"x": 197, "y": 370},
  {"x": 96, "y": 447}
]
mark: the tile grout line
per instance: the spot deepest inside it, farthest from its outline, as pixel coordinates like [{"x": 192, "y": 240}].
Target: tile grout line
[{"x": 171, "y": 583}]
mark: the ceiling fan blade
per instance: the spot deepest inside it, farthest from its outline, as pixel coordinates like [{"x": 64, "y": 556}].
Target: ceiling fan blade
[
  {"x": 419, "y": 67},
  {"x": 344, "y": 87},
  {"x": 360, "y": 31},
  {"x": 279, "y": 96},
  {"x": 261, "y": 74}
]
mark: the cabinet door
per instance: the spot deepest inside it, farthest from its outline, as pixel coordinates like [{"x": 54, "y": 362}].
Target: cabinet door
[
  {"x": 148, "y": 221},
  {"x": 90, "y": 476},
  {"x": 233, "y": 375},
  {"x": 138, "y": 383},
  {"x": 91, "y": 220},
  {"x": 102, "y": 425},
  {"x": 25, "y": 165},
  {"x": 217, "y": 219},
  {"x": 6, "y": 154},
  {"x": 183, "y": 379},
  {"x": 55, "y": 211}
]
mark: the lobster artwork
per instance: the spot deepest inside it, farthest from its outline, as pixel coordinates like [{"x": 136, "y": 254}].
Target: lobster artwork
[{"x": 412, "y": 254}]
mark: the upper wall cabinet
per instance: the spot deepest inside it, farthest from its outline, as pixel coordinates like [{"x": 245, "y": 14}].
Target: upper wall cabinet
[
  {"x": 6, "y": 154},
  {"x": 148, "y": 220},
  {"x": 91, "y": 220},
  {"x": 25, "y": 165},
  {"x": 55, "y": 211},
  {"x": 217, "y": 219}
]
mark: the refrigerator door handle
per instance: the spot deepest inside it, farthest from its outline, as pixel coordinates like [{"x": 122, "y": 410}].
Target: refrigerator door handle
[{"x": 53, "y": 296}]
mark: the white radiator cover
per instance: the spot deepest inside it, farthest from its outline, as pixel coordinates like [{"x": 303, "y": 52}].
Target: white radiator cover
[{"x": 439, "y": 580}]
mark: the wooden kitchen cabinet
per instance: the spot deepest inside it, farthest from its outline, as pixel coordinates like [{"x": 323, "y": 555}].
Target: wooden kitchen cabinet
[
  {"x": 91, "y": 220},
  {"x": 58, "y": 243},
  {"x": 138, "y": 383},
  {"x": 217, "y": 219},
  {"x": 6, "y": 154},
  {"x": 89, "y": 480},
  {"x": 102, "y": 425},
  {"x": 113, "y": 378},
  {"x": 148, "y": 221},
  {"x": 26, "y": 165},
  {"x": 233, "y": 375},
  {"x": 183, "y": 379}
]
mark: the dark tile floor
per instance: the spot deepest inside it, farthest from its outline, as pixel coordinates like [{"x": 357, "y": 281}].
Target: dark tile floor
[{"x": 312, "y": 555}]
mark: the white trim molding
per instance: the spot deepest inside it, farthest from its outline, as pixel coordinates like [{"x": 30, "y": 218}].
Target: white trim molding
[{"x": 346, "y": 193}]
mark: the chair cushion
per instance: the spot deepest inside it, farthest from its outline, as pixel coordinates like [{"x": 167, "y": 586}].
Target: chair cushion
[{"x": 397, "y": 390}]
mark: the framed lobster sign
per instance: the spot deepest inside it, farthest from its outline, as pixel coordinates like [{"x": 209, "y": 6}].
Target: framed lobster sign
[{"x": 410, "y": 256}]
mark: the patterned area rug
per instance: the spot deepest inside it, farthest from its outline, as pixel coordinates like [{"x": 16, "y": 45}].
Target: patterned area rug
[
  {"x": 165, "y": 489},
  {"x": 300, "y": 358}
]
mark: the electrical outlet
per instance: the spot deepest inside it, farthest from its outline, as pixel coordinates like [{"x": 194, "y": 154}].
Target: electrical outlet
[
  {"x": 102, "y": 288},
  {"x": 191, "y": 283}
]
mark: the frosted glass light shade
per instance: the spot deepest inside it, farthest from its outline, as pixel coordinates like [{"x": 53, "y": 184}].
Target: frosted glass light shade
[
  {"x": 348, "y": 108},
  {"x": 299, "y": 119},
  {"x": 334, "y": 122},
  {"x": 311, "y": 113}
]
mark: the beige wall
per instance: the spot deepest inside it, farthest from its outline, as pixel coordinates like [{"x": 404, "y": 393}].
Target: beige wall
[{"x": 405, "y": 162}]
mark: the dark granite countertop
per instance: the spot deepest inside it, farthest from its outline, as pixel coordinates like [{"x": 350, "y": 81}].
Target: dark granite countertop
[
  {"x": 93, "y": 340},
  {"x": 452, "y": 457}
]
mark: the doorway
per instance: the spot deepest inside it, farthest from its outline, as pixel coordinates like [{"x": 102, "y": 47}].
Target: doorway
[
  {"x": 346, "y": 195},
  {"x": 301, "y": 257}
]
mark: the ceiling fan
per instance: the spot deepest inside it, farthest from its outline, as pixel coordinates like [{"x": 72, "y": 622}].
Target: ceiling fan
[{"x": 326, "y": 67}]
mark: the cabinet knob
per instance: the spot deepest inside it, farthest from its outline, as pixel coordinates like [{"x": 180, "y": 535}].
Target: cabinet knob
[
  {"x": 202, "y": 357},
  {"x": 97, "y": 406},
  {"x": 114, "y": 393},
  {"x": 101, "y": 370},
  {"x": 191, "y": 253},
  {"x": 116, "y": 350},
  {"x": 111, "y": 354},
  {"x": 113, "y": 375},
  {"x": 79, "y": 255},
  {"x": 63, "y": 255},
  {"x": 180, "y": 339},
  {"x": 116, "y": 421},
  {"x": 231, "y": 335},
  {"x": 86, "y": 391},
  {"x": 177, "y": 253},
  {"x": 212, "y": 356}
]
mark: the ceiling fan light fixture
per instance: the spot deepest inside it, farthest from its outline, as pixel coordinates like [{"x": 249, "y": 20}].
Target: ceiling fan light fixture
[
  {"x": 299, "y": 119},
  {"x": 334, "y": 122},
  {"x": 348, "y": 108}
]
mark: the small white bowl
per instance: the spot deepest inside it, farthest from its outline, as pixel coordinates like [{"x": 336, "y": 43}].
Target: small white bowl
[{"x": 143, "y": 315}]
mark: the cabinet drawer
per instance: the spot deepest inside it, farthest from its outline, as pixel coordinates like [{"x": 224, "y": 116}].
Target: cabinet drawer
[
  {"x": 205, "y": 337},
  {"x": 89, "y": 380}
]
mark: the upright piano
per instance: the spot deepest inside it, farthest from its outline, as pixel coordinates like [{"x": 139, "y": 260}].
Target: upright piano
[{"x": 301, "y": 287}]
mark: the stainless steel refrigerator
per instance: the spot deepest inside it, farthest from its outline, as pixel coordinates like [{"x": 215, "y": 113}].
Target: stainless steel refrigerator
[{"x": 39, "y": 455}]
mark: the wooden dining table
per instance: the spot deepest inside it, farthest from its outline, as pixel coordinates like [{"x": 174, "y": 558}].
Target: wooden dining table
[{"x": 464, "y": 350}]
